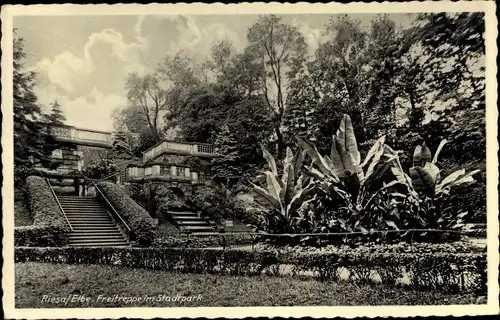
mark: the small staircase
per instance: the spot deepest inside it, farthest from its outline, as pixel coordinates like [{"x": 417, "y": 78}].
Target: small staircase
[
  {"x": 92, "y": 224},
  {"x": 190, "y": 222}
]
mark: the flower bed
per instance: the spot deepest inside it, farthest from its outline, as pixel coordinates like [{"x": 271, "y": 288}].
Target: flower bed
[
  {"x": 429, "y": 271},
  {"x": 49, "y": 228},
  {"x": 139, "y": 221}
]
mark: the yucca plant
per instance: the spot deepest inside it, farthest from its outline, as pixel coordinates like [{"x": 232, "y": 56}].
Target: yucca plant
[
  {"x": 343, "y": 175},
  {"x": 285, "y": 193},
  {"x": 429, "y": 198}
]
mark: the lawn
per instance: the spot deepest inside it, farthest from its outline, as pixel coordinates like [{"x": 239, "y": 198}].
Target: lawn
[
  {"x": 22, "y": 216},
  {"x": 96, "y": 283}
]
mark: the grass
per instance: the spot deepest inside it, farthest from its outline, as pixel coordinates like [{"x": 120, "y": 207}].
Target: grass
[
  {"x": 22, "y": 216},
  {"x": 34, "y": 280},
  {"x": 166, "y": 228}
]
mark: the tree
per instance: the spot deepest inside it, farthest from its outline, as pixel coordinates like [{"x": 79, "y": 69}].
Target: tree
[
  {"x": 237, "y": 143},
  {"x": 133, "y": 120},
  {"x": 120, "y": 143},
  {"x": 56, "y": 116},
  {"x": 33, "y": 142},
  {"x": 282, "y": 50},
  {"x": 146, "y": 93}
]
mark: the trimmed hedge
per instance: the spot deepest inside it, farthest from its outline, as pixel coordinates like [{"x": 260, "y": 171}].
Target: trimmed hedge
[
  {"x": 452, "y": 272},
  {"x": 40, "y": 236},
  {"x": 139, "y": 221},
  {"x": 193, "y": 241},
  {"x": 49, "y": 228}
]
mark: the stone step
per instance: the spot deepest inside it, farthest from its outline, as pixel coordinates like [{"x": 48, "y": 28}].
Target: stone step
[
  {"x": 83, "y": 214},
  {"x": 92, "y": 225},
  {"x": 80, "y": 205},
  {"x": 84, "y": 208},
  {"x": 197, "y": 228},
  {"x": 78, "y": 237},
  {"x": 186, "y": 218},
  {"x": 88, "y": 214},
  {"x": 91, "y": 222},
  {"x": 84, "y": 240},
  {"x": 183, "y": 213},
  {"x": 193, "y": 223},
  {"x": 100, "y": 244}
]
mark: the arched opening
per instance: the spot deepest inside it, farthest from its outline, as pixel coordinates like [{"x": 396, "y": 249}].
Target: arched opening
[{"x": 177, "y": 194}]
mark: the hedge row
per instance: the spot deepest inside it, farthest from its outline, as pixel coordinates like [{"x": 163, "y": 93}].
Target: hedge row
[
  {"x": 49, "y": 228},
  {"x": 464, "y": 272},
  {"x": 223, "y": 240},
  {"x": 139, "y": 221}
]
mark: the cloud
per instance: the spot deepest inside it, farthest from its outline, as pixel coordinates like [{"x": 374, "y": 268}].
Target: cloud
[
  {"x": 89, "y": 81},
  {"x": 197, "y": 40},
  {"x": 312, "y": 36},
  {"x": 95, "y": 113},
  {"x": 91, "y": 86}
]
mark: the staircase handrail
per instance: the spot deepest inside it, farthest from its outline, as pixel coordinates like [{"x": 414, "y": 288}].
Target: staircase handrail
[
  {"x": 106, "y": 200},
  {"x": 111, "y": 206},
  {"x": 110, "y": 175},
  {"x": 59, "y": 204}
]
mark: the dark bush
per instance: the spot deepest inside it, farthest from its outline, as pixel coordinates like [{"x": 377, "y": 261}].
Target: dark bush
[
  {"x": 217, "y": 203},
  {"x": 427, "y": 271},
  {"x": 36, "y": 236},
  {"x": 43, "y": 204},
  {"x": 49, "y": 227},
  {"x": 186, "y": 241},
  {"x": 139, "y": 221},
  {"x": 100, "y": 168}
]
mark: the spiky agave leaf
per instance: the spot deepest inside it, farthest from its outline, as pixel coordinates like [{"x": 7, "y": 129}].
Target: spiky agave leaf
[
  {"x": 433, "y": 171},
  {"x": 376, "y": 151},
  {"x": 456, "y": 178},
  {"x": 422, "y": 180},
  {"x": 438, "y": 151},
  {"x": 298, "y": 200},
  {"x": 317, "y": 159},
  {"x": 417, "y": 156},
  {"x": 288, "y": 177},
  {"x": 347, "y": 139},
  {"x": 270, "y": 160},
  {"x": 375, "y": 147},
  {"x": 267, "y": 196},
  {"x": 426, "y": 154}
]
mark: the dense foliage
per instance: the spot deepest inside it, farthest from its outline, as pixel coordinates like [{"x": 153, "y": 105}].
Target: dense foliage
[
  {"x": 285, "y": 194},
  {"x": 426, "y": 271},
  {"x": 49, "y": 228},
  {"x": 33, "y": 141},
  {"x": 139, "y": 221},
  {"x": 100, "y": 168}
]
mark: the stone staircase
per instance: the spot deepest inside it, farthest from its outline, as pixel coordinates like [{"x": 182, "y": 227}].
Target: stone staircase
[
  {"x": 92, "y": 224},
  {"x": 190, "y": 222}
]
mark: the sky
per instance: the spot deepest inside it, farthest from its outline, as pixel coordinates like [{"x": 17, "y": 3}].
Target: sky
[{"x": 83, "y": 61}]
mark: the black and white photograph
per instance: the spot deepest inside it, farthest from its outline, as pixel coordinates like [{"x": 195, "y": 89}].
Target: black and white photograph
[{"x": 196, "y": 156}]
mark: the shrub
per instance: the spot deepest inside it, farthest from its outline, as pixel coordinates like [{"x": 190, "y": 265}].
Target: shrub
[
  {"x": 139, "y": 221},
  {"x": 216, "y": 203},
  {"x": 185, "y": 241},
  {"x": 100, "y": 168},
  {"x": 284, "y": 193},
  {"x": 429, "y": 271},
  {"x": 36, "y": 236},
  {"x": 49, "y": 227},
  {"x": 429, "y": 202},
  {"x": 351, "y": 185}
]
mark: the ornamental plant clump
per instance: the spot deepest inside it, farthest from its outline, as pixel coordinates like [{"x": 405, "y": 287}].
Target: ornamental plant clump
[
  {"x": 429, "y": 199},
  {"x": 100, "y": 168},
  {"x": 354, "y": 186},
  {"x": 285, "y": 193}
]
